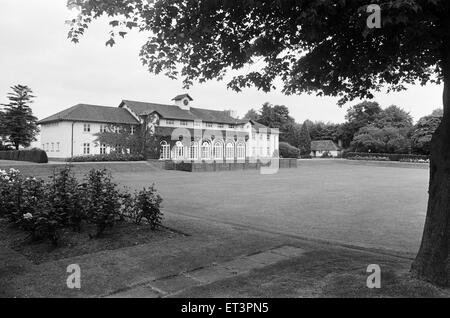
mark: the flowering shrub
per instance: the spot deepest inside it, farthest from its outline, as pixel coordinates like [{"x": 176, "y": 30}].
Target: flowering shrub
[
  {"x": 147, "y": 206},
  {"x": 44, "y": 208},
  {"x": 107, "y": 157},
  {"x": 102, "y": 200}
]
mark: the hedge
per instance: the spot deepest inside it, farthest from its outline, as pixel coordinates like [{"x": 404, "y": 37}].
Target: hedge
[
  {"x": 384, "y": 156},
  {"x": 33, "y": 155},
  {"x": 107, "y": 157},
  {"x": 288, "y": 151}
]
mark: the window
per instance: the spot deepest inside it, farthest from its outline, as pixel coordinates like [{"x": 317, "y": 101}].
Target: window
[
  {"x": 53, "y": 147},
  {"x": 170, "y": 122},
  {"x": 253, "y": 137},
  {"x": 47, "y": 147},
  {"x": 231, "y": 126},
  {"x": 57, "y": 147},
  {"x": 43, "y": 146},
  {"x": 183, "y": 123},
  {"x": 102, "y": 149},
  {"x": 103, "y": 128},
  {"x": 179, "y": 150},
  {"x": 87, "y": 128},
  {"x": 132, "y": 130},
  {"x": 230, "y": 150},
  {"x": 116, "y": 129},
  {"x": 268, "y": 137},
  {"x": 220, "y": 126},
  {"x": 197, "y": 123},
  {"x": 193, "y": 151},
  {"x": 260, "y": 137},
  {"x": 206, "y": 150},
  {"x": 218, "y": 150},
  {"x": 86, "y": 148},
  {"x": 165, "y": 150},
  {"x": 209, "y": 125},
  {"x": 240, "y": 150}
]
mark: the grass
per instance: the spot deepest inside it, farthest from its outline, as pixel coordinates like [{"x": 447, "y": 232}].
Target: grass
[{"x": 72, "y": 244}]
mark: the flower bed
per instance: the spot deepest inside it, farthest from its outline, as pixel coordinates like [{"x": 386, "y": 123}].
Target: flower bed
[{"x": 45, "y": 209}]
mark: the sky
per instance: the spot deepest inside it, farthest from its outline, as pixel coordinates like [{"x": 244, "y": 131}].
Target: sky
[{"x": 35, "y": 51}]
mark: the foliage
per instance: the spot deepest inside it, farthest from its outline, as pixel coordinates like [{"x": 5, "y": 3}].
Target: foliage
[
  {"x": 373, "y": 139},
  {"x": 423, "y": 131},
  {"x": 385, "y": 157},
  {"x": 18, "y": 125},
  {"x": 304, "y": 140},
  {"x": 394, "y": 116},
  {"x": 102, "y": 200},
  {"x": 33, "y": 155},
  {"x": 45, "y": 208},
  {"x": 252, "y": 115},
  {"x": 120, "y": 138},
  {"x": 288, "y": 151},
  {"x": 114, "y": 156},
  {"x": 309, "y": 45},
  {"x": 147, "y": 206}
]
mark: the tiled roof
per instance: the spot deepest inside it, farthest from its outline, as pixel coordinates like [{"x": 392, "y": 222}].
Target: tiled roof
[
  {"x": 257, "y": 126},
  {"x": 323, "y": 145},
  {"x": 179, "y": 97},
  {"x": 92, "y": 113},
  {"x": 175, "y": 112}
]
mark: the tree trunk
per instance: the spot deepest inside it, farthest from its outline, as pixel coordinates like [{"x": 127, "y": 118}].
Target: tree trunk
[{"x": 432, "y": 263}]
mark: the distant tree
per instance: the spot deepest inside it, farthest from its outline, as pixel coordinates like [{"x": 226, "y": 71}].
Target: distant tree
[
  {"x": 422, "y": 133},
  {"x": 345, "y": 132},
  {"x": 382, "y": 140},
  {"x": 252, "y": 115},
  {"x": 304, "y": 140},
  {"x": 288, "y": 151},
  {"x": 291, "y": 134},
  {"x": 275, "y": 116},
  {"x": 439, "y": 112},
  {"x": 19, "y": 126},
  {"x": 394, "y": 116}
]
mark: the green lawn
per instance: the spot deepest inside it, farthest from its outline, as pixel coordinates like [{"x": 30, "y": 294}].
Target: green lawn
[{"x": 348, "y": 202}]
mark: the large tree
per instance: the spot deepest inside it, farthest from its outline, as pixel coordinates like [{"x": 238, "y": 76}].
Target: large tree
[
  {"x": 322, "y": 46},
  {"x": 423, "y": 131},
  {"x": 18, "y": 125}
]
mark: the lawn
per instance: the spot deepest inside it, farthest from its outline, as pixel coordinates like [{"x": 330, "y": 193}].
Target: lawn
[{"x": 364, "y": 205}]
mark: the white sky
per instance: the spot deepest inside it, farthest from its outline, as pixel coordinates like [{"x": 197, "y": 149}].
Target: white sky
[{"x": 35, "y": 51}]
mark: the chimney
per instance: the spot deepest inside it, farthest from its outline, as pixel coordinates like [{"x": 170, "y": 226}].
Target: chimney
[{"x": 231, "y": 113}]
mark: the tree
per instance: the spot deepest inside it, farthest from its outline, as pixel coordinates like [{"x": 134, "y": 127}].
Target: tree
[
  {"x": 251, "y": 115},
  {"x": 394, "y": 116},
  {"x": 19, "y": 126},
  {"x": 291, "y": 134},
  {"x": 275, "y": 116},
  {"x": 304, "y": 140},
  {"x": 423, "y": 132},
  {"x": 311, "y": 46},
  {"x": 381, "y": 140}
]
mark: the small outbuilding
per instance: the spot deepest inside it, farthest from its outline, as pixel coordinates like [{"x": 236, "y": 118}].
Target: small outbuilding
[{"x": 325, "y": 148}]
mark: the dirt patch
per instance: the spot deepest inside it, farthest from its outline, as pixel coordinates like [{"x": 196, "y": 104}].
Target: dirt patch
[{"x": 74, "y": 244}]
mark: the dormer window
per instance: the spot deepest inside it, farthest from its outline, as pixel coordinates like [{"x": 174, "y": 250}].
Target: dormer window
[
  {"x": 183, "y": 123},
  {"x": 170, "y": 122},
  {"x": 209, "y": 125}
]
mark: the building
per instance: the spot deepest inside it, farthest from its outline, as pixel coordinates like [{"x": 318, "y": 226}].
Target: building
[
  {"x": 183, "y": 132},
  {"x": 321, "y": 148}
]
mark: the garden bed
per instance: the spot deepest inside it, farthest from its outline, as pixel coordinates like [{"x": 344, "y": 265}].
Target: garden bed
[{"x": 73, "y": 244}]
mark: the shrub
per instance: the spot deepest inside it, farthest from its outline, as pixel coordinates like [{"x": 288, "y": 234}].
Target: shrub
[
  {"x": 11, "y": 195},
  {"x": 33, "y": 155},
  {"x": 385, "y": 157},
  {"x": 326, "y": 154},
  {"x": 107, "y": 157},
  {"x": 288, "y": 151},
  {"x": 65, "y": 198},
  {"x": 147, "y": 206},
  {"x": 102, "y": 200}
]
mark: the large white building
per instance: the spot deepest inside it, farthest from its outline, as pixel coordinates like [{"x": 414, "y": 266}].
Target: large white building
[{"x": 183, "y": 132}]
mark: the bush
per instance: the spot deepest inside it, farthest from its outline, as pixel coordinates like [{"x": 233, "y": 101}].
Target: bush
[
  {"x": 33, "y": 155},
  {"x": 147, "y": 206},
  {"x": 107, "y": 157},
  {"x": 385, "y": 157},
  {"x": 44, "y": 208},
  {"x": 288, "y": 151},
  {"x": 102, "y": 200},
  {"x": 326, "y": 154}
]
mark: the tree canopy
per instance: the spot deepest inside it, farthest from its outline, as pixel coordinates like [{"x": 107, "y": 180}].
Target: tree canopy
[{"x": 322, "y": 46}]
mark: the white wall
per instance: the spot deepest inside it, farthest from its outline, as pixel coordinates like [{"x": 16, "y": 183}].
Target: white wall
[{"x": 62, "y": 132}]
